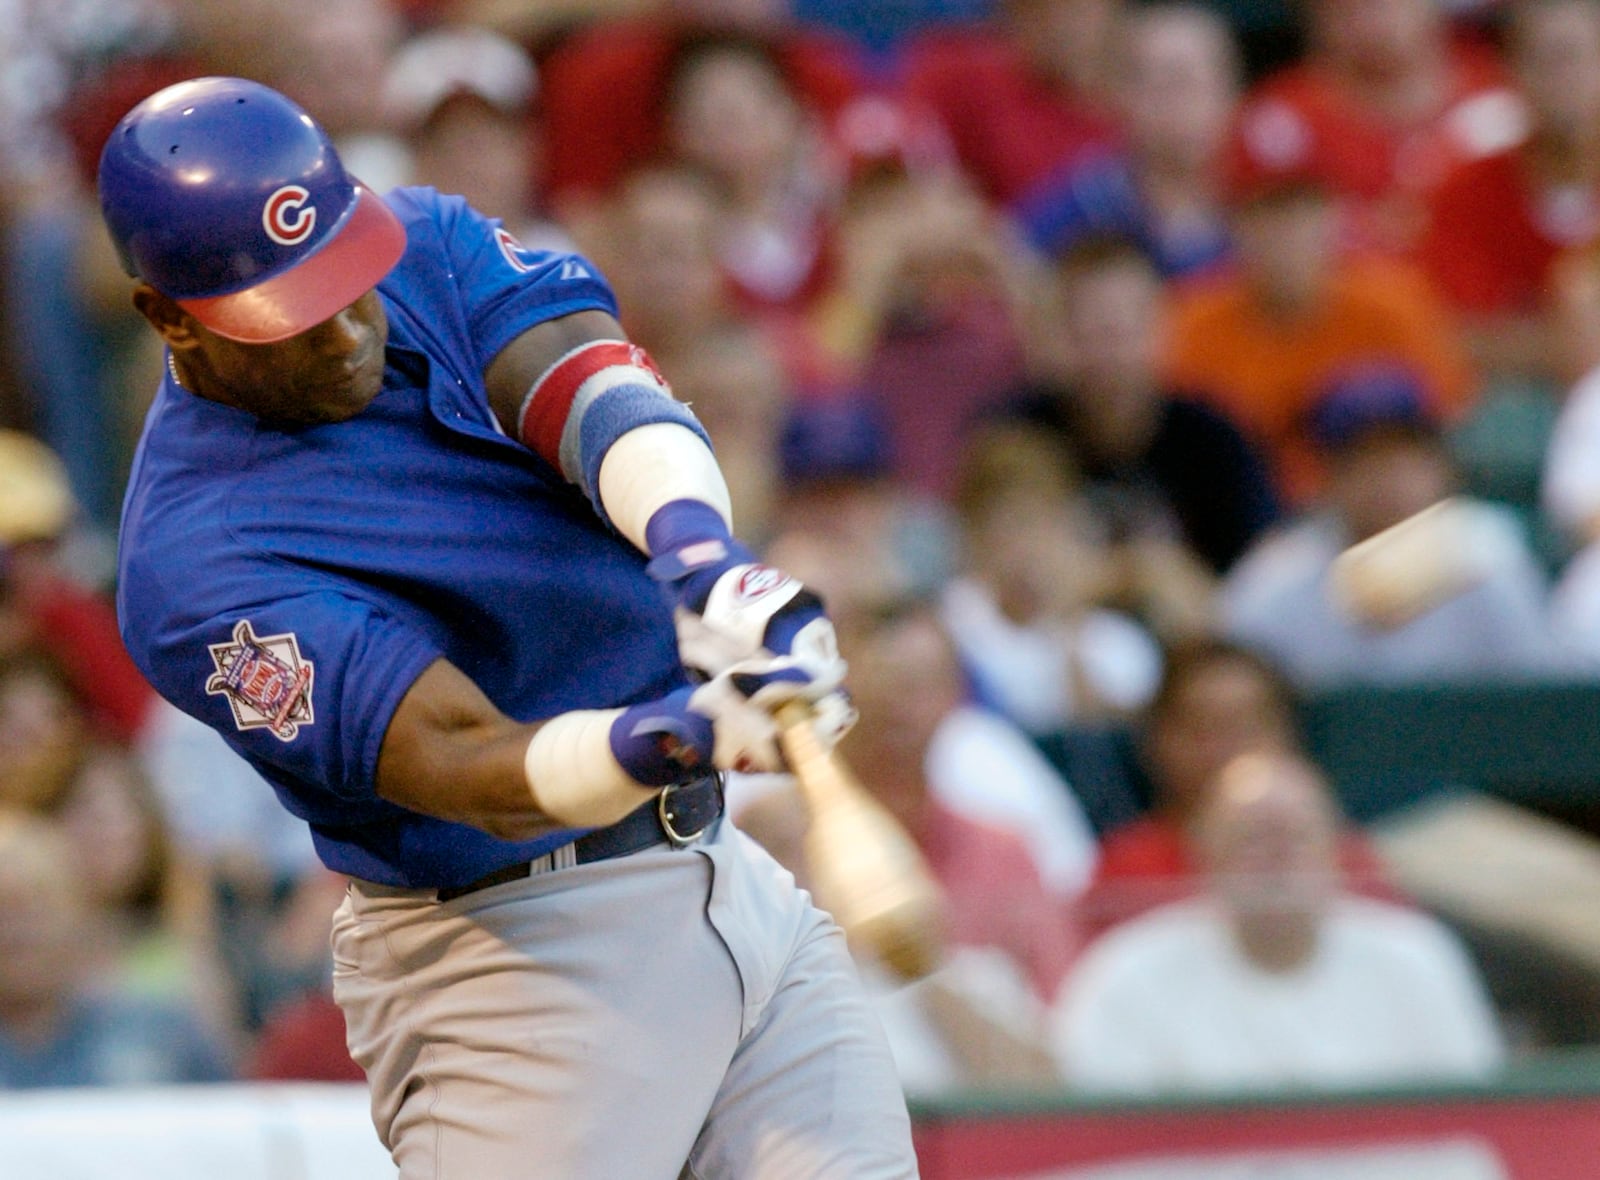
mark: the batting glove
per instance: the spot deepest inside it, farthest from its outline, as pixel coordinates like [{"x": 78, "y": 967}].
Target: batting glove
[
  {"x": 717, "y": 724},
  {"x": 733, "y": 614}
]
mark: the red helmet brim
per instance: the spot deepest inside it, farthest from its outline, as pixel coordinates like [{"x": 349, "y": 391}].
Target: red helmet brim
[{"x": 347, "y": 266}]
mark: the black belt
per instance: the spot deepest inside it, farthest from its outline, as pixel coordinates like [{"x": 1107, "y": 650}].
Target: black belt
[{"x": 677, "y": 816}]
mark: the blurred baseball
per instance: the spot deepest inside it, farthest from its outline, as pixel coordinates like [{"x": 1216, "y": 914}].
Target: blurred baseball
[{"x": 1421, "y": 563}]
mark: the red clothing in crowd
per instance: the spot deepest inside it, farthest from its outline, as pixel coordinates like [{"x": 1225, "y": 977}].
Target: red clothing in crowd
[
  {"x": 1012, "y": 128},
  {"x": 602, "y": 95},
  {"x": 305, "y": 1041},
  {"x": 1384, "y": 169},
  {"x": 1494, "y": 233},
  {"x": 79, "y": 630},
  {"x": 994, "y": 897},
  {"x": 1148, "y": 862}
]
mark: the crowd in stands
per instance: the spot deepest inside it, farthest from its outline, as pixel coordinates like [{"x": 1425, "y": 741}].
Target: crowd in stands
[{"x": 1064, "y": 345}]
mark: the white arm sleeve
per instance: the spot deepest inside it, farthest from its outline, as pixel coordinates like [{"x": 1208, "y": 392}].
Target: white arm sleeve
[{"x": 653, "y": 465}]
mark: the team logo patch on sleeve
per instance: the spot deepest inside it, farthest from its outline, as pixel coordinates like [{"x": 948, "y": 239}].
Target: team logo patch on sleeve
[{"x": 267, "y": 683}]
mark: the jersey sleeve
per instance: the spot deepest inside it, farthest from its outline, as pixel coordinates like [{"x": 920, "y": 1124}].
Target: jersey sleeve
[
  {"x": 507, "y": 288},
  {"x": 304, "y": 686}
]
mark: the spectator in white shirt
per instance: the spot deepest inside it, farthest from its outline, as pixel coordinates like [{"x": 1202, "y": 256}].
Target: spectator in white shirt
[{"x": 1275, "y": 978}]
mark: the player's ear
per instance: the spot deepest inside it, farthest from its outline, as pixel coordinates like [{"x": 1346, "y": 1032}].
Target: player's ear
[{"x": 171, "y": 322}]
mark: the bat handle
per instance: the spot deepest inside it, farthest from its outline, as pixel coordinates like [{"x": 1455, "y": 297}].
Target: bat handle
[{"x": 801, "y": 748}]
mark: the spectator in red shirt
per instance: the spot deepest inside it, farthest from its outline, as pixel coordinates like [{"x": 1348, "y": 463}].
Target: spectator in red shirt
[
  {"x": 1392, "y": 104},
  {"x": 45, "y": 607},
  {"x": 603, "y": 86},
  {"x": 1001, "y": 925},
  {"x": 1217, "y": 701},
  {"x": 1498, "y": 228},
  {"x": 1022, "y": 97},
  {"x": 733, "y": 112}
]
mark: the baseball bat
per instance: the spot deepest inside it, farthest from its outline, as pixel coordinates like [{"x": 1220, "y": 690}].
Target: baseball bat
[{"x": 864, "y": 868}]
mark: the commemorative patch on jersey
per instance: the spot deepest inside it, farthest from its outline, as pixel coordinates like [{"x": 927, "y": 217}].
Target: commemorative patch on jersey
[{"x": 266, "y": 681}]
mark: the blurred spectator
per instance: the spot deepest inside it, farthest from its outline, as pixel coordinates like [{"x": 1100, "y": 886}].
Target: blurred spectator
[
  {"x": 258, "y": 867},
  {"x": 741, "y": 395},
  {"x": 464, "y": 98},
  {"x": 1177, "y": 83},
  {"x": 304, "y": 1041},
  {"x": 1498, "y": 227},
  {"x": 330, "y": 56},
  {"x": 926, "y": 309},
  {"x": 59, "y": 1026},
  {"x": 975, "y": 1021},
  {"x": 45, "y": 604},
  {"x": 1217, "y": 701},
  {"x": 46, "y": 49},
  {"x": 1260, "y": 344},
  {"x": 905, "y": 680},
  {"x": 79, "y": 353},
  {"x": 1276, "y": 977},
  {"x": 731, "y": 111},
  {"x": 657, "y": 244},
  {"x": 1026, "y": 609},
  {"x": 861, "y": 537},
  {"x": 1388, "y": 103},
  {"x": 884, "y": 26},
  {"x": 1570, "y": 494},
  {"x": 42, "y": 730},
  {"x": 1024, "y": 95},
  {"x": 1570, "y": 483},
  {"x": 1389, "y": 461},
  {"x": 605, "y": 86},
  {"x": 160, "y": 936},
  {"x": 1162, "y": 469}
]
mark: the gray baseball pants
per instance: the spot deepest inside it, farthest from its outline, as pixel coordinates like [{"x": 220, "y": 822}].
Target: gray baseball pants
[{"x": 675, "y": 1014}]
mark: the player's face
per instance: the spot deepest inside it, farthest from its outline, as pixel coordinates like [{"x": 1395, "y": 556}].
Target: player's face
[{"x": 325, "y": 374}]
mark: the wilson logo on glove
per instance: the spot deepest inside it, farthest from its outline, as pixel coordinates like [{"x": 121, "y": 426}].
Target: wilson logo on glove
[{"x": 757, "y": 582}]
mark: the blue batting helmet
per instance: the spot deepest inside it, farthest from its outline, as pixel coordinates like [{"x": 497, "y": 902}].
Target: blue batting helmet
[{"x": 230, "y": 199}]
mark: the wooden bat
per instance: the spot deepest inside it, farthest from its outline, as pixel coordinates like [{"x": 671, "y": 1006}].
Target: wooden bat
[
  {"x": 1420, "y": 563},
  {"x": 863, "y": 867}
]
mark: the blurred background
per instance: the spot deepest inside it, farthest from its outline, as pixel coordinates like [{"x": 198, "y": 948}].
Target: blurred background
[{"x": 1070, "y": 347}]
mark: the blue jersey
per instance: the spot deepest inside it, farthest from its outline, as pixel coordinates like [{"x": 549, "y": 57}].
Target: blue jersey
[{"x": 288, "y": 587}]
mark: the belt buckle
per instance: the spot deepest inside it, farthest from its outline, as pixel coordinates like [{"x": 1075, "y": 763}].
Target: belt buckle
[{"x": 664, "y": 813}]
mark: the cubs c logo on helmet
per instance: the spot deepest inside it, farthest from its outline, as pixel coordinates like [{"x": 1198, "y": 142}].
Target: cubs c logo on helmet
[{"x": 286, "y": 216}]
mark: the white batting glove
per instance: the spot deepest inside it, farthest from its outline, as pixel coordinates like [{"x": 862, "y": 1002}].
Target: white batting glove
[{"x": 733, "y": 614}]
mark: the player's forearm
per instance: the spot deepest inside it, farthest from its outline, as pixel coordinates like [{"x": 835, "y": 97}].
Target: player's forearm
[{"x": 451, "y": 754}]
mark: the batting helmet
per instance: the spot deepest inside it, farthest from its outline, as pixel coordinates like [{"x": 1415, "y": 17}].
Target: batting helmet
[{"x": 230, "y": 199}]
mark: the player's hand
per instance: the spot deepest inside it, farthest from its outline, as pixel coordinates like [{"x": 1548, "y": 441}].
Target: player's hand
[
  {"x": 718, "y": 724},
  {"x": 734, "y": 614}
]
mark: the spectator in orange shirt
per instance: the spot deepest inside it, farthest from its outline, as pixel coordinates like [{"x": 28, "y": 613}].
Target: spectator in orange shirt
[
  {"x": 1392, "y": 103},
  {"x": 1301, "y": 308},
  {"x": 1501, "y": 225}
]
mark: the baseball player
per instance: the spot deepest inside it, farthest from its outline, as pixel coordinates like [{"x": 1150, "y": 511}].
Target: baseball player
[{"x": 432, "y": 545}]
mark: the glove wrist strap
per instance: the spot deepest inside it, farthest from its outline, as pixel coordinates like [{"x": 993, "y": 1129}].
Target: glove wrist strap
[{"x": 686, "y": 535}]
